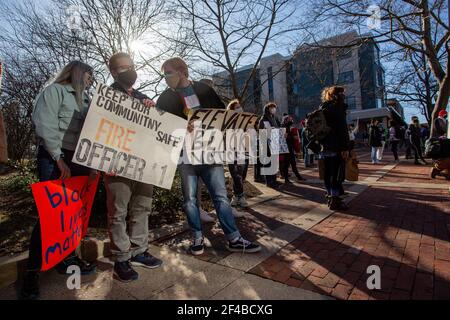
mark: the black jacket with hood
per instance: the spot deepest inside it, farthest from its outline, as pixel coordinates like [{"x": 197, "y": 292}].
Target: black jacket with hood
[
  {"x": 338, "y": 139},
  {"x": 171, "y": 101},
  {"x": 268, "y": 117}
]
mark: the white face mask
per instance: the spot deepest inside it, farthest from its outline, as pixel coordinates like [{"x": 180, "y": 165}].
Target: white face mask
[{"x": 239, "y": 110}]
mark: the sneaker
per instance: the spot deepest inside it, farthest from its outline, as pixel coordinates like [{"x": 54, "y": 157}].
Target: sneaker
[
  {"x": 234, "y": 202},
  {"x": 287, "y": 181},
  {"x": 146, "y": 260},
  {"x": 205, "y": 217},
  {"x": 30, "y": 287},
  {"x": 198, "y": 247},
  {"x": 124, "y": 272},
  {"x": 300, "y": 178},
  {"x": 244, "y": 246},
  {"x": 242, "y": 202},
  {"x": 237, "y": 214},
  {"x": 85, "y": 267}
]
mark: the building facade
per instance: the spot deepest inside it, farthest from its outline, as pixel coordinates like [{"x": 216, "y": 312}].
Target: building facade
[{"x": 295, "y": 83}]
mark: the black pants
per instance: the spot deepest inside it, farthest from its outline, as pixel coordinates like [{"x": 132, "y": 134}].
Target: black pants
[
  {"x": 289, "y": 161},
  {"x": 394, "y": 149},
  {"x": 417, "y": 148},
  {"x": 48, "y": 170},
  {"x": 333, "y": 176},
  {"x": 239, "y": 173}
]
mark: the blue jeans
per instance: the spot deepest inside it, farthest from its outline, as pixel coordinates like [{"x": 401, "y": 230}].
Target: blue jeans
[
  {"x": 374, "y": 154},
  {"x": 214, "y": 178}
]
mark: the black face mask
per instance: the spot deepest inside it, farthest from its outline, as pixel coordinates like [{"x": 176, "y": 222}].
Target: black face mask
[{"x": 127, "y": 78}]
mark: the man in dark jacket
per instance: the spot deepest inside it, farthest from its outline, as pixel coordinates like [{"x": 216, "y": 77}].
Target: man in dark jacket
[
  {"x": 415, "y": 140},
  {"x": 181, "y": 98}
]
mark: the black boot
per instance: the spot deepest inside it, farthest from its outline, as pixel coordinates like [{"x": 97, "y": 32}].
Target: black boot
[
  {"x": 30, "y": 287},
  {"x": 336, "y": 204}
]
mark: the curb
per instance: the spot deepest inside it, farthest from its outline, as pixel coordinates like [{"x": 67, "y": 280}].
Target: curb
[{"x": 93, "y": 249}]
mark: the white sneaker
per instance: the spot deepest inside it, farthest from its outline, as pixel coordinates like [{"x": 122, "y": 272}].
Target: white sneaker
[
  {"x": 242, "y": 201},
  {"x": 237, "y": 214},
  {"x": 205, "y": 217}
]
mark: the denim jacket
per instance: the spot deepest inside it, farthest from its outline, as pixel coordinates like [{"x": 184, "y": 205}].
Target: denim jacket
[{"x": 58, "y": 119}]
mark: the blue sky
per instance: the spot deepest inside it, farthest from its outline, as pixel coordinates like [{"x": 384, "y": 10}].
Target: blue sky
[{"x": 274, "y": 48}]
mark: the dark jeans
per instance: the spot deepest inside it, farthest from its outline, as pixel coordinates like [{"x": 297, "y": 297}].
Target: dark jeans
[
  {"x": 394, "y": 148},
  {"x": 417, "y": 148},
  {"x": 48, "y": 170},
  {"x": 289, "y": 161},
  {"x": 239, "y": 173},
  {"x": 307, "y": 158},
  {"x": 333, "y": 175}
]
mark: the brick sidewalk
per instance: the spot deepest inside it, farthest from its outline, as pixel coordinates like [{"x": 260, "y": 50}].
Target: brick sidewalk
[{"x": 404, "y": 231}]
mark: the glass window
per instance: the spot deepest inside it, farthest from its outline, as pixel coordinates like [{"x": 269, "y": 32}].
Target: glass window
[
  {"x": 351, "y": 101},
  {"x": 346, "y": 77}
]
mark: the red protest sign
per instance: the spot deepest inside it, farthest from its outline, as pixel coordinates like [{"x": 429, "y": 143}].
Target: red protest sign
[{"x": 64, "y": 209}]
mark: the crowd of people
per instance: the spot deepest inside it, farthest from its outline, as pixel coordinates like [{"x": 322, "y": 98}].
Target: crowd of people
[{"x": 58, "y": 116}]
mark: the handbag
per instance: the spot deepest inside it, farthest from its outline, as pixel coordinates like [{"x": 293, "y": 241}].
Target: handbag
[{"x": 351, "y": 167}]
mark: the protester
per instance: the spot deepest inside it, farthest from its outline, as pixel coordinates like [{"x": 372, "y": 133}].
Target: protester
[
  {"x": 394, "y": 137},
  {"x": 58, "y": 116},
  {"x": 424, "y": 135},
  {"x": 308, "y": 156},
  {"x": 270, "y": 121},
  {"x": 408, "y": 144},
  {"x": 441, "y": 166},
  {"x": 375, "y": 140},
  {"x": 128, "y": 198},
  {"x": 335, "y": 147},
  {"x": 238, "y": 172},
  {"x": 289, "y": 159},
  {"x": 180, "y": 98},
  {"x": 414, "y": 139},
  {"x": 440, "y": 125}
]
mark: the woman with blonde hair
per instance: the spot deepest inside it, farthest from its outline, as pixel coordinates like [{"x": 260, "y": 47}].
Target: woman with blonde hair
[
  {"x": 58, "y": 115},
  {"x": 335, "y": 146}
]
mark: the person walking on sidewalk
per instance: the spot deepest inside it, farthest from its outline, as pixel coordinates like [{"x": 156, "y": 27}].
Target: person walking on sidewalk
[
  {"x": 414, "y": 139},
  {"x": 290, "y": 159},
  {"x": 180, "y": 98},
  {"x": 127, "y": 198},
  {"x": 58, "y": 116},
  {"x": 238, "y": 172},
  {"x": 335, "y": 146},
  {"x": 375, "y": 140},
  {"x": 394, "y": 137}
]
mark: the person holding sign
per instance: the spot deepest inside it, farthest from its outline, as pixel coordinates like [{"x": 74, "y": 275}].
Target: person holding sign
[
  {"x": 58, "y": 115},
  {"x": 181, "y": 98},
  {"x": 237, "y": 171},
  {"x": 126, "y": 197},
  {"x": 270, "y": 121}
]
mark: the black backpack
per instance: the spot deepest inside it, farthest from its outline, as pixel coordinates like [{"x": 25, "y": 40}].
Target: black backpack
[{"x": 316, "y": 126}]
